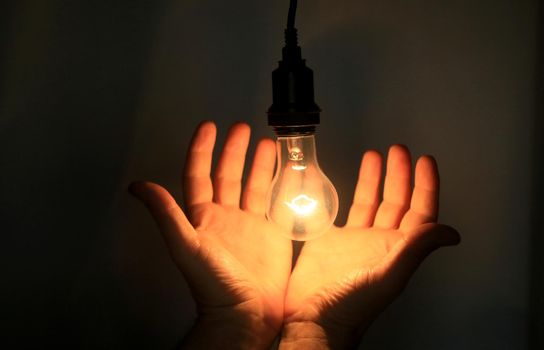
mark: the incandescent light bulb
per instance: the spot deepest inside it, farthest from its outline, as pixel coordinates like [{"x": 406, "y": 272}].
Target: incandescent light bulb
[{"x": 301, "y": 199}]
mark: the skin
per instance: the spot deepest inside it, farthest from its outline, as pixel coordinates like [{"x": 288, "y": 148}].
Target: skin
[
  {"x": 238, "y": 265},
  {"x": 342, "y": 281}
]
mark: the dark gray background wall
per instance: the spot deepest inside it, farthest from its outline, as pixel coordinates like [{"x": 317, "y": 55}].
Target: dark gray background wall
[{"x": 94, "y": 94}]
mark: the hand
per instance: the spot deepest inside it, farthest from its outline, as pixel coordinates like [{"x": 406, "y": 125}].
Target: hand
[
  {"x": 236, "y": 263},
  {"x": 343, "y": 280}
]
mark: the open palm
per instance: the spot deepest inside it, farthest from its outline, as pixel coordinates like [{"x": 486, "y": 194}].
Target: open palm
[
  {"x": 235, "y": 261},
  {"x": 342, "y": 280}
]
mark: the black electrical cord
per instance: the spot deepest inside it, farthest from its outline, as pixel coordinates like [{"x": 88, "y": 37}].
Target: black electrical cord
[
  {"x": 292, "y": 14},
  {"x": 291, "y": 31}
]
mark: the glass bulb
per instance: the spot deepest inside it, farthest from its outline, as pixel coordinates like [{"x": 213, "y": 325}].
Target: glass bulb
[{"x": 301, "y": 199}]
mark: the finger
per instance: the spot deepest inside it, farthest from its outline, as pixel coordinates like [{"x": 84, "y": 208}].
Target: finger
[
  {"x": 178, "y": 234},
  {"x": 197, "y": 182},
  {"x": 260, "y": 176},
  {"x": 228, "y": 175},
  {"x": 405, "y": 257},
  {"x": 424, "y": 203},
  {"x": 396, "y": 193},
  {"x": 367, "y": 192}
]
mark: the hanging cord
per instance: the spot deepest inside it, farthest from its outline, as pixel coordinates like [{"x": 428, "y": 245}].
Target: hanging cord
[
  {"x": 290, "y": 31},
  {"x": 292, "y": 14}
]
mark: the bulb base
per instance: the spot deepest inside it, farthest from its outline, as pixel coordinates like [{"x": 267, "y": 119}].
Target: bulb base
[
  {"x": 293, "y": 103},
  {"x": 298, "y": 130}
]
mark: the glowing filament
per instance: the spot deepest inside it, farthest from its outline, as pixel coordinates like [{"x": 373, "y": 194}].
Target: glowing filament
[
  {"x": 302, "y": 205},
  {"x": 298, "y": 167}
]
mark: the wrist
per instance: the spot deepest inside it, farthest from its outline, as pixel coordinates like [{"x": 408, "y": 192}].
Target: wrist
[
  {"x": 229, "y": 333},
  {"x": 312, "y": 335}
]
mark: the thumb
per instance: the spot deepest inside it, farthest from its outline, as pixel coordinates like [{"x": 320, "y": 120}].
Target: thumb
[
  {"x": 406, "y": 256},
  {"x": 178, "y": 234}
]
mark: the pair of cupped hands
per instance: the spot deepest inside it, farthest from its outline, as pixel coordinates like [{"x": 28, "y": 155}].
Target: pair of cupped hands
[{"x": 239, "y": 267}]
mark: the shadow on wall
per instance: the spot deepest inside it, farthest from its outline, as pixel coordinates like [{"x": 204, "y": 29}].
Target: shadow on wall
[
  {"x": 72, "y": 76},
  {"x": 537, "y": 259}
]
